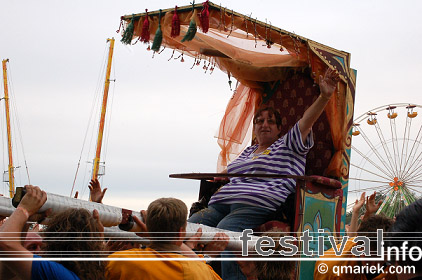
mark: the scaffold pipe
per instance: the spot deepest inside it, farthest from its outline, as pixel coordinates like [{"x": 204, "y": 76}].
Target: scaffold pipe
[{"x": 111, "y": 216}]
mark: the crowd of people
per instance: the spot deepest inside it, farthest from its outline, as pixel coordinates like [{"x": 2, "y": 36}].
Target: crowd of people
[
  {"x": 404, "y": 230},
  {"x": 78, "y": 234},
  {"x": 74, "y": 236},
  {"x": 368, "y": 227}
]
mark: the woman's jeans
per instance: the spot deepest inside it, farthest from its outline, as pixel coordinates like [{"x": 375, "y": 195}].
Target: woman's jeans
[{"x": 233, "y": 217}]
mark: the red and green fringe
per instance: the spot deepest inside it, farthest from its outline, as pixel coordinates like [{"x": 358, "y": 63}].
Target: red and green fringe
[{"x": 128, "y": 34}]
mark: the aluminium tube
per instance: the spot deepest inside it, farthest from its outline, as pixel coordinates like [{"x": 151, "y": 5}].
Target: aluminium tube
[{"x": 114, "y": 216}]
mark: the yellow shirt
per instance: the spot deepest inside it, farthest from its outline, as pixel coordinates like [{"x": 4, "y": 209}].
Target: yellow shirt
[
  {"x": 329, "y": 266},
  {"x": 156, "y": 269}
]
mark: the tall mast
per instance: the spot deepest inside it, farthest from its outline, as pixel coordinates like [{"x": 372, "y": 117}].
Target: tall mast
[
  {"x": 103, "y": 112},
  {"x": 9, "y": 134}
]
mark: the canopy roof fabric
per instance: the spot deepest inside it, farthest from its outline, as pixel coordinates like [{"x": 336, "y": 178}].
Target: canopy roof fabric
[{"x": 257, "y": 55}]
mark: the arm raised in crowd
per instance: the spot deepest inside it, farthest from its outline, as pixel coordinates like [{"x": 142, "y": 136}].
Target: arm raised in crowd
[
  {"x": 354, "y": 222},
  {"x": 371, "y": 206},
  {"x": 10, "y": 231},
  {"x": 95, "y": 192}
]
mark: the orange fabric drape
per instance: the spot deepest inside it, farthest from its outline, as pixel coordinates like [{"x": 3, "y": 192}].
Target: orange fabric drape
[
  {"x": 254, "y": 53},
  {"x": 235, "y": 124},
  {"x": 336, "y": 114}
]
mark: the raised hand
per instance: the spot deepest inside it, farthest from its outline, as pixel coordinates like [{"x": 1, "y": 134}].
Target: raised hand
[
  {"x": 354, "y": 221},
  {"x": 95, "y": 191},
  {"x": 328, "y": 82},
  {"x": 359, "y": 203},
  {"x": 371, "y": 206}
]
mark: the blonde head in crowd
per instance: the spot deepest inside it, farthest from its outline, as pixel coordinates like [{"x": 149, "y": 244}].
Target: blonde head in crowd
[{"x": 165, "y": 218}]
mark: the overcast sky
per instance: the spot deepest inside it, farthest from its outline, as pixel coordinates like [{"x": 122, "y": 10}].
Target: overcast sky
[{"x": 165, "y": 115}]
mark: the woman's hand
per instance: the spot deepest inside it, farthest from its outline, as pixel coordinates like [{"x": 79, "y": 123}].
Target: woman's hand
[{"x": 328, "y": 82}]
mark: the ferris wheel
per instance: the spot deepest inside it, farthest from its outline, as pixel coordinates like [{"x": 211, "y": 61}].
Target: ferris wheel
[{"x": 387, "y": 156}]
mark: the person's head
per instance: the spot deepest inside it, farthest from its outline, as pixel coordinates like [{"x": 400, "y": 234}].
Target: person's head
[
  {"x": 75, "y": 231},
  {"x": 33, "y": 242},
  {"x": 167, "y": 217},
  {"x": 275, "y": 270},
  {"x": 267, "y": 125},
  {"x": 369, "y": 228},
  {"x": 408, "y": 227}
]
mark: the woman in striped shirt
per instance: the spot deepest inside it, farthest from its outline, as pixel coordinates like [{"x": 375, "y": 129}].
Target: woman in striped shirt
[{"x": 245, "y": 203}]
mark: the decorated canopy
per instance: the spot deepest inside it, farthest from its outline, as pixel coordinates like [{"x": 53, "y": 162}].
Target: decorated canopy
[{"x": 261, "y": 57}]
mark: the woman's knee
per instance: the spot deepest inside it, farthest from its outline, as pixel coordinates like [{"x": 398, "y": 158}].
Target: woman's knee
[
  {"x": 244, "y": 218},
  {"x": 208, "y": 216}
]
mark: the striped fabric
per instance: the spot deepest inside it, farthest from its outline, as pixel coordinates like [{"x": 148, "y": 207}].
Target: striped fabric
[{"x": 287, "y": 155}]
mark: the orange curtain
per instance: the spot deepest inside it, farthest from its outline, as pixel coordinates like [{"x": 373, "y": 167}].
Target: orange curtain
[{"x": 235, "y": 124}]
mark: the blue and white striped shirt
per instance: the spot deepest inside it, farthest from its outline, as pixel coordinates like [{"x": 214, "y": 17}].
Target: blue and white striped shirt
[{"x": 287, "y": 156}]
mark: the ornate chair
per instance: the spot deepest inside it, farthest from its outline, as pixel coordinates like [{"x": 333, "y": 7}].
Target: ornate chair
[{"x": 317, "y": 204}]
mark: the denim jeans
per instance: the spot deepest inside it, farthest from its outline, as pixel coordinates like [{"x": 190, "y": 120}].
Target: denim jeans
[{"x": 233, "y": 217}]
